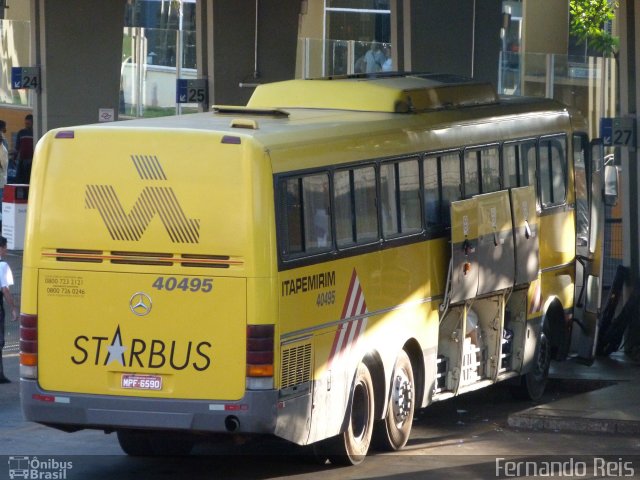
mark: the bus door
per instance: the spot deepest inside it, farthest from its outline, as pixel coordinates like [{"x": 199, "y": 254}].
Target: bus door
[{"x": 589, "y": 171}]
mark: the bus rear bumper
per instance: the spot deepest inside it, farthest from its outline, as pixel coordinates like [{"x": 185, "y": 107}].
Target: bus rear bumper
[{"x": 255, "y": 413}]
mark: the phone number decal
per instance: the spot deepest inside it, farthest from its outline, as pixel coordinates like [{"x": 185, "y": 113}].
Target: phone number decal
[{"x": 64, "y": 286}]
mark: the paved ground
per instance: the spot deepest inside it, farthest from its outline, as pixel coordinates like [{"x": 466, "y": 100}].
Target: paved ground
[{"x": 589, "y": 415}]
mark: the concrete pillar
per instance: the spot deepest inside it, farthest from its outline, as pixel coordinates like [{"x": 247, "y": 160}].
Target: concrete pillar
[
  {"x": 78, "y": 46},
  {"x": 546, "y": 26},
  {"x": 234, "y": 56},
  {"x": 456, "y": 36},
  {"x": 629, "y": 95},
  {"x": 629, "y": 23}
]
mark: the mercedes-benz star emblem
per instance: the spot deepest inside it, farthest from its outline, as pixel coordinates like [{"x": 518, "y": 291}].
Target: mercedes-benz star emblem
[{"x": 140, "y": 304}]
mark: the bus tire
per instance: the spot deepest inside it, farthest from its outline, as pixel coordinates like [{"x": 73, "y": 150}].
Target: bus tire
[
  {"x": 351, "y": 446},
  {"x": 135, "y": 443},
  {"x": 140, "y": 443},
  {"x": 392, "y": 432},
  {"x": 533, "y": 383}
]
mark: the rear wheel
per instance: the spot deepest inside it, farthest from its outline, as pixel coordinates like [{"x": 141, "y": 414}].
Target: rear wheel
[
  {"x": 392, "y": 432},
  {"x": 533, "y": 383},
  {"x": 351, "y": 447},
  {"x": 140, "y": 443}
]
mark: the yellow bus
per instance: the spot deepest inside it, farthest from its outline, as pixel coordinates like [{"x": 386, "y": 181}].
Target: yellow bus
[{"x": 316, "y": 265}]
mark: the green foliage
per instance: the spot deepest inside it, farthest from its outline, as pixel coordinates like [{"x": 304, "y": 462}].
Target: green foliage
[{"x": 587, "y": 21}]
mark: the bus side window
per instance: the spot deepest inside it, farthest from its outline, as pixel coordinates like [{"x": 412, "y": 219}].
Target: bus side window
[
  {"x": 450, "y": 182},
  {"x": 316, "y": 205},
  {"x": 292, "y": 195},
  {"x": 519, "y": 164},
  {"x": 471, "y": 173},
  {"x": 409, "y": 183},
  {"x": 510, "y": 159},
  {"x": 481, "y": 171},
  {"x": 355, "y": 200},
  {"x": 399, "y": 188},
  {"x": 343, "y": 201},
  {"x": 389, "y": 204},
  {"x": 490, "y": 169},
  {"x": 366, "y": 212},
  {"x": 553, "y": 160},
  {"x": 431, "y": 191}
]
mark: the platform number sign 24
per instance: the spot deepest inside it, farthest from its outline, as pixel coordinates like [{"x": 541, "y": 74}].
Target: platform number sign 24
[{"x": 25, "y": 78}]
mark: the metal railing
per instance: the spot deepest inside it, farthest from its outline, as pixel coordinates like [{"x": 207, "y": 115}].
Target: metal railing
[{"x": 323, "y": 58}]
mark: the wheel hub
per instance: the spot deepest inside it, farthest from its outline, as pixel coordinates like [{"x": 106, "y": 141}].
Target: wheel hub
[{"x": 402, "y": 397}]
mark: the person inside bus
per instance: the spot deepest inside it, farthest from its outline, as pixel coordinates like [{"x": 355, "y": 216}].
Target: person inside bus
[{"x": 321, "y": 226}]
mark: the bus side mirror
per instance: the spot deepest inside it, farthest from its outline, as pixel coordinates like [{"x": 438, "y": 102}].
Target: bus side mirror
[{"x": 610, "y": 185}]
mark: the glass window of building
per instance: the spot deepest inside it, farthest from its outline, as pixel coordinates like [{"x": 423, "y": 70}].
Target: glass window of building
[
  {"x": 358, "y": 36},
  {"x": 161, "y": 19}
]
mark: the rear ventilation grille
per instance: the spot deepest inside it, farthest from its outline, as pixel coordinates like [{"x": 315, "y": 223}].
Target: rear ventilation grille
[
  {"x": 144, "y": 258},
  {"x": 86, "y": 256},
  {"x": 296, "y": 365}
]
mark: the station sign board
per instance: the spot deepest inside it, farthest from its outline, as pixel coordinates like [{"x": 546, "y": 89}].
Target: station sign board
[
  {"x": 618, "y": 131},
  {"x": 191, "y": 90},
  {"x": 25, "y": 78}
]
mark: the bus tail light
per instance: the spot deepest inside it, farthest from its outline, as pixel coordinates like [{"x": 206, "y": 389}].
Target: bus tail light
[
  {"x": 260, "y": 357},
  {"x": 28, "y": 346}
]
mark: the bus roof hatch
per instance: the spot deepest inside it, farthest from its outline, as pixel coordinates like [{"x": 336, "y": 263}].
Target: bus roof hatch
[{"x": 388, "y": 93}]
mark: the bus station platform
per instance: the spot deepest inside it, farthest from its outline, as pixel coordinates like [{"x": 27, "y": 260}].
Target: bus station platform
[
  {"x": 612, "y": 407},
  {"x": 609, "y": 407}
]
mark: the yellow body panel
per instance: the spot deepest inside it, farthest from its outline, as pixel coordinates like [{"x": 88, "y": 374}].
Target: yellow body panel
[
  {"x": 187, "y": 212},
  {"x": 373, "y": 302},
  {"x": 194, "y": 339}
]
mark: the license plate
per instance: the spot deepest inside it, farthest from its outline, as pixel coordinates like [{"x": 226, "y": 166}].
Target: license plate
[{"x": 141, "y": 382}]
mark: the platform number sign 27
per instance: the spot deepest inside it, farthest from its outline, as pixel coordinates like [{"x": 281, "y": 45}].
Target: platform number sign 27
[
  {"x": 618, "y": 132},
  {"x": 25, "y": 78}
]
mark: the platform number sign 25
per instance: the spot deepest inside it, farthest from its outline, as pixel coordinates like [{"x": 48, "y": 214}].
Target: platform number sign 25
[{"x": 191, "y": 91}]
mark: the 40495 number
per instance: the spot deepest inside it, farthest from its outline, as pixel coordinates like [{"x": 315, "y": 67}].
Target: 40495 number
[
  {"x": 193, "y": 284},
  {"x": 326, "y": 298}
]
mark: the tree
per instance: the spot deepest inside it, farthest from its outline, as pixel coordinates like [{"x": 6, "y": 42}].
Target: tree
[{"x": 588, "y": 18}]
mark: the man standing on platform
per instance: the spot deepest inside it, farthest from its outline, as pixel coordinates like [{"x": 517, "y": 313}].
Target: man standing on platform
[{"x": 6, "y": 281}]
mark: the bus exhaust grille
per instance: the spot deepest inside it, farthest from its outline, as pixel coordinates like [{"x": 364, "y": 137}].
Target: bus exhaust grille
[
  {"x": 141, "y": 258},
  {"x": 75, "y": 255},
  {"x": 144, "y": 258},
  {"x": 207, "y": 261},
  {"x": 296, "y": 365}
]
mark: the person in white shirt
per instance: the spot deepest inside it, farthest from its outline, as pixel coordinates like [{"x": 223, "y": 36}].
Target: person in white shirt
[{"x": 6, "y": 281}]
